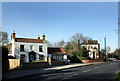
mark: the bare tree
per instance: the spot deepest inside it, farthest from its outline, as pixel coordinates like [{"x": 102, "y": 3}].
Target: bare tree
[
  {"x": 108, "y": 49},
  {"x": 85, "y": 39},
  {"x": 4, "y": 38},
  {"x": 61, "y": 43},
  {"x": 49, "y": 43},
  {"x": 78, "y": 39}
]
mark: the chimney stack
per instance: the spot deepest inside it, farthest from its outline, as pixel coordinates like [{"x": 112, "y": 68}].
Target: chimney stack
[
  {"x": 43, "y": 36},
  {"x": 13, "y": 35},
  {"x": 38, "y": 37}
]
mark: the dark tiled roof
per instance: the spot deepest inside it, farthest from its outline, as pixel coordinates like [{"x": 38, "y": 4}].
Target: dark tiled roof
[
  {"x": 91, "y": 42},
  {"x": 54, "y": 50},
  {"x": 29, "y": 40}
]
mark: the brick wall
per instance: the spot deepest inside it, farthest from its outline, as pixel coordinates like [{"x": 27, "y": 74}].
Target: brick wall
[
  {"x": 57, "y": 62},
  {"x": 86, "y": 61},
  {"x": 34, "y": 65}
]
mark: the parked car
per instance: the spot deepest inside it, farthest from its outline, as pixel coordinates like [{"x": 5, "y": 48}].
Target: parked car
[{"x": 66, "y": 61}]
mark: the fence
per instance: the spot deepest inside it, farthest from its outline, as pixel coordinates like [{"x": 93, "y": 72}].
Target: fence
[{"x": 14, "y": 63}]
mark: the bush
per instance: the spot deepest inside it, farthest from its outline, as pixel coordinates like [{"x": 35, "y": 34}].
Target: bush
[
  {"x": 75, "y": 59},
  {"x": 83, "y": 54},
  {"x": 5, "y": 62},
  {"x": 78, "y": 55},
  {"x": 4, "y": 53},
  {"x": 84, "y": 58}
]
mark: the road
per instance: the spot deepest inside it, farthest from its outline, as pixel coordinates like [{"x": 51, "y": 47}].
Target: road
[{"x": 96, "y": 72}]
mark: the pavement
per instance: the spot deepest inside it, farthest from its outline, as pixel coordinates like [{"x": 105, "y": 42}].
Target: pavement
[{"x": 24, "y": 73}]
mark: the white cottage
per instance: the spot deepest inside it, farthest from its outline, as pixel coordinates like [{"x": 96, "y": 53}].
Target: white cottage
[
  {"x": 27, "y": 49},
  {"x": 94, "y": 48}
]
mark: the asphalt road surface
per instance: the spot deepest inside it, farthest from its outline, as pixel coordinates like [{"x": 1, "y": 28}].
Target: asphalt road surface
[{"x": 96, "y": 72}]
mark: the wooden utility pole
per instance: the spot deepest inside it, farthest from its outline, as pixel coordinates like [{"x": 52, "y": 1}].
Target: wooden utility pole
[{"x": 105, "y": 45}]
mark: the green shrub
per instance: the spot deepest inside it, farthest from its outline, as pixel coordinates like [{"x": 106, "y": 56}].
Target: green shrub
[
  {"x": 84, "y": 58},
  {"x": 74, "y": 59}
]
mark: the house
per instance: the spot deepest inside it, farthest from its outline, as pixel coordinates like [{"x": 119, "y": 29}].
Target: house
[
  {"x": 57, "y": 53},
  {"x": 27, "y": 49},
  {"x": 94, "y": 48}
]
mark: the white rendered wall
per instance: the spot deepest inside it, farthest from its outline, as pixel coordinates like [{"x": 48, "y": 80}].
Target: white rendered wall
[
  {"x": 13, "y": 47},
  {"x": 88, "y": 47},
  {"x": 65, "y": 57},
  {"x": 27, "y": 50}
]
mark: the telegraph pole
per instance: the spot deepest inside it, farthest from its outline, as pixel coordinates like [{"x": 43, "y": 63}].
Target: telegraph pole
[{"x": 105, "y": 45}]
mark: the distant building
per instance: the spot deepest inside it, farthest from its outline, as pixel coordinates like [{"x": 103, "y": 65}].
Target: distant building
[
  {"x": 94, "y": 48},
  {"x": 57, "y": 53},
  {"x": 27, "y": 49}
]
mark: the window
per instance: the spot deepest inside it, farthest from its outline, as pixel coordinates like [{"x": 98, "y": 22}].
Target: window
[
  {"x": 21, "y": 47},
  {"x": 40, "y": 49},
  {"x": 31, "y": 47}
]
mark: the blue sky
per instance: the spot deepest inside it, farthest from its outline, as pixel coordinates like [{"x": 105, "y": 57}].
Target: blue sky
[{"x": 61, "y": 20}]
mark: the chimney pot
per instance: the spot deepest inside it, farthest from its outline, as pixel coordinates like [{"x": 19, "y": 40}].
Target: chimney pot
[
  {"x": 43, "y": 36},
  {"x": 38, "y": 37},
  {"x": 13, "y": 35}
]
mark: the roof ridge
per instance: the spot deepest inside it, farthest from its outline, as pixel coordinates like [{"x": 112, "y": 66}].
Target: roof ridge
[{"x": 28, "y": 38}]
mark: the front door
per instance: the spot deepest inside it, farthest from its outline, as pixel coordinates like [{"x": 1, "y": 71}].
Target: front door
[{"x": 32, "y": 56}]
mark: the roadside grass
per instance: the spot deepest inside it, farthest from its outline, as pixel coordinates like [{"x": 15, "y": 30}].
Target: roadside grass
[{"x": 117, "y": 77}]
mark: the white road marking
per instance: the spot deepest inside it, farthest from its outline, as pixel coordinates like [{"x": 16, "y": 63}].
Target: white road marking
[
  {"x": 87, "y": 70},
  {"x": 67, "y": 77},
  {"x": 70, "y": 76},
  {"x": 97, "y": 67},
  {"x": 75, "y": 74}
]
